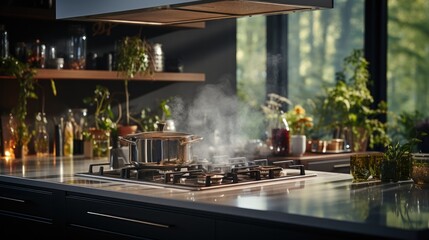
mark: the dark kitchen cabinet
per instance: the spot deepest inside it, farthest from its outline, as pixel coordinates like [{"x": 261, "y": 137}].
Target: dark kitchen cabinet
[
  {"x": 341, "y": 165},
  {"x": 88, "y": 216},
  {"x": 245, "y": 228},
  {"x": 28, "y": 211}
]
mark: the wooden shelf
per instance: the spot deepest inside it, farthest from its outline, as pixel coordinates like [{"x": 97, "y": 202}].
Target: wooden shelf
[{"x": 67, "y": 74}]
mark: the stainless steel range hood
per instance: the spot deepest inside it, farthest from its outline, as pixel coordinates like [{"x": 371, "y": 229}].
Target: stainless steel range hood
[{"x": 170, "y": 12}]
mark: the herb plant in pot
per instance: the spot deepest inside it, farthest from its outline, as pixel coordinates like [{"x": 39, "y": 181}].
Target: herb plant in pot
[
  {"x": 97, "y": 139},
  {"x": 397, "y": 162},
  {"x": 347, "y": 106},
  {"x": 299, "y": 123},
  {"x": 134, "y": 58}
]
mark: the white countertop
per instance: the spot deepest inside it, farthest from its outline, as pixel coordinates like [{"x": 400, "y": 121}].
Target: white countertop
[{"x": 327, "y": 200}]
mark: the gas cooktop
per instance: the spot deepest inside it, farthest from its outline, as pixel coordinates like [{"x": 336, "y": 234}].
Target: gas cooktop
[{"x": 200, "y": 176}]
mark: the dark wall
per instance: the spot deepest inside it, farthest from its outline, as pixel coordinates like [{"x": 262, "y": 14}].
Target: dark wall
[{"x": 210, "y": 50}]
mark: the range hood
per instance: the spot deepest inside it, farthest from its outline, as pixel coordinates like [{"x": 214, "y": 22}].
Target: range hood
[{"x": 171, "y": 12}]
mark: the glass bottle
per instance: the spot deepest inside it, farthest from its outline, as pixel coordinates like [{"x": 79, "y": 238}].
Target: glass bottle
[
  {"x": 58, "y": 138},
  {"x": 4, "y": 42},
  {"x": 68, "y": 134},
  {"x": 76, "y": 48},
  {"x": 41, "y": 139},
  {"x": 80, "y": 126},
  {"x": 280, "y": 138}
]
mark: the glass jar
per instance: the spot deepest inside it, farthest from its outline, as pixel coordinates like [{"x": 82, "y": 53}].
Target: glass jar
[
  {"x": 158, "y": 57},
  {"x": 38, "y": 54},
  {"x": 420, "y": 169},
  {"x": 80, "y": 127},
  {"x": 76, "y": 48},
  {"x": 100, "y": 142}
]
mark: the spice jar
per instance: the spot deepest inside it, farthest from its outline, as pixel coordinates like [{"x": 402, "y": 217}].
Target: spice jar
[{"x": 159, "y": 57}]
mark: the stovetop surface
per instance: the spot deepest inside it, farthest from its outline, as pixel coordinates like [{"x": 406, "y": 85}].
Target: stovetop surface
[{"x": 198, "y": 177}]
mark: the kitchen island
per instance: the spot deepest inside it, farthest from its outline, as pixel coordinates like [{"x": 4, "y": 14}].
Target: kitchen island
[{"x": 47, "y": 196}]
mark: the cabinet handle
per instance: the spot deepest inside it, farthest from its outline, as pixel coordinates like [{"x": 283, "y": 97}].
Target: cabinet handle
[
  {"x": 13, "y": 199},
  {"x": 342, "y": 165},
  {"x": 129, "y": 219}
]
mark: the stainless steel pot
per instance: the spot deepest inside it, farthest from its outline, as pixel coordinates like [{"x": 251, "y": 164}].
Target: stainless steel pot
[{"x": 160, "y": 147}]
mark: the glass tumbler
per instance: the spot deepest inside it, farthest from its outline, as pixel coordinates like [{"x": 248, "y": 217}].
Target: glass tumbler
[{"x": 359, "y": 167}]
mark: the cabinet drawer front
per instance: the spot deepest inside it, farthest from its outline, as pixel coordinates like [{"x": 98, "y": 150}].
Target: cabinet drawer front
[
  {"x": 338, "y": 166},
  {"x": 135, "y": 220},
  {"x": 26, "y": 201}
]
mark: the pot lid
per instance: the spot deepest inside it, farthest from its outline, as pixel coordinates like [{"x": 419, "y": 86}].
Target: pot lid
[{"x": 160, "y": 135}]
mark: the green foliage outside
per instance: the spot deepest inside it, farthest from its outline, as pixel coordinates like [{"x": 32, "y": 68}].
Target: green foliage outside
[
  {"x": 320, "y": 40},
  {"x": 408, "y": 61},
  {"x": 251, "y": 74}
]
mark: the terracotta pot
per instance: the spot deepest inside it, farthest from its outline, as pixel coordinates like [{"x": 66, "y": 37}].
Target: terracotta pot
[{"x": 124, "y": 130}]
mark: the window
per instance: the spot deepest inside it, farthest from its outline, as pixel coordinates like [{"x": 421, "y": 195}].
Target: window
[
  {"x": 317, "y": 43},
  {"x": 408, "y": 56},
  {"x": 251, "y": 71}
]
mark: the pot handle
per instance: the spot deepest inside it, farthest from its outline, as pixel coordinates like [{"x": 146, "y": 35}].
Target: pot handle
[
  {"x": 193, "y": 139},
  {"x": 126, "y": 140}
]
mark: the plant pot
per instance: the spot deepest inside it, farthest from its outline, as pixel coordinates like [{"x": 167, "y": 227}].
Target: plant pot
[
  {"x": 359, "y": 142},
  {"x": 298, "y": 145},
  {"x": 124, "y": 130},
  {"x": 404, "y": 168},
  {"x": 389, "y": 171}
]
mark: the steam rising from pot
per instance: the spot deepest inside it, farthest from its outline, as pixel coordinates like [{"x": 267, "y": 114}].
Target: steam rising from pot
[{"x": 216, "y": 116}]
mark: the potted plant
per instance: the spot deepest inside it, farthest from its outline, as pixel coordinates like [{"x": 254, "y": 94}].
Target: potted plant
[
  {"x": 347, "y": 107},
  {"x": 97, "y": 139},
  {"x": 397, "y": 163},
  {"x": 150, "y": 117},
  {"x": 134, "y": 57},
  {"x": 19, "y": 130},
  {"x": 299, "y": 123}
]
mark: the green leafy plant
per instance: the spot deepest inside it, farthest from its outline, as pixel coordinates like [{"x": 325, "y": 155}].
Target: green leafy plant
[
  {"x": 149, "y": 118},
  {"x": 134, "y": 57},
  {"x": 25, "y": 76},
  {"x": 103, "y": 114},
  {"x": 395, "y": 152},
  {"x": 406, "y": 126},
  {"x": 349, "y": 104}
]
